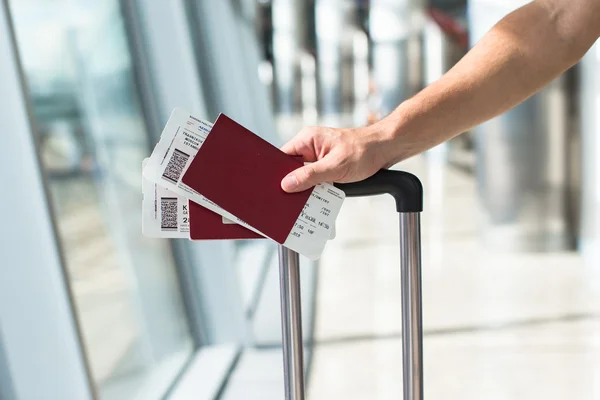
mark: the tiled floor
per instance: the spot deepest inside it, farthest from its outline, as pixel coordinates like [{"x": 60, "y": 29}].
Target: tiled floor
[{"x": 497, "y": 325}]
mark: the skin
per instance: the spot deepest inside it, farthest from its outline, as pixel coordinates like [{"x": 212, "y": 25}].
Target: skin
[{"x": 519, "y": 56}]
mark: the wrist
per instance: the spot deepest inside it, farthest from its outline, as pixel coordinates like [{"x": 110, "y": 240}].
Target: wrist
[
  {"x": 392, "y": 131},
  {"x": 377, "y": 141}
]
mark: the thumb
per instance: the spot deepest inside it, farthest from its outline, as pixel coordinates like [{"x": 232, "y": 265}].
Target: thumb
[{"x": 308, "y": 176}]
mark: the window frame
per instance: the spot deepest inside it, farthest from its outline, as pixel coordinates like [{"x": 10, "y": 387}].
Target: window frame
[{"x": 45, "y": 323}]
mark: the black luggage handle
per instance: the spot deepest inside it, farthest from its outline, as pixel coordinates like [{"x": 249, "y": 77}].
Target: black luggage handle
[{"x": 406, "y": 189}]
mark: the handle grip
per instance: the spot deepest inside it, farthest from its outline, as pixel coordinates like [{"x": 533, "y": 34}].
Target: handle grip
[{"x": 406, "y": 189}]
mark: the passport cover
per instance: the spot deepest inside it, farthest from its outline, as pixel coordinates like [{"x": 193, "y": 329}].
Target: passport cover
[
  {"x": 241, "y": 172},
  {"x": 207, "y": 225}
]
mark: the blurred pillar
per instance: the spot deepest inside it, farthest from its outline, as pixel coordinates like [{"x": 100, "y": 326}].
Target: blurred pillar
[
  {"x": 440, "y": 53},
  {"x": 522, "y": 160},
  {"x": 308, "y": 70},
  {"x": 436, "y": 47},
  {"x": 590, "y": 129},
  {"x": 336, "y": 23},
  {"x": 289, "y": 39},
  {"x": 393, "y": 26},
  {"x": 360, "y": 81}
]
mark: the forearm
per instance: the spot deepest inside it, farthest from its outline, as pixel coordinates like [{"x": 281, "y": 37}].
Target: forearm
[{"x": 519, "y": 56}]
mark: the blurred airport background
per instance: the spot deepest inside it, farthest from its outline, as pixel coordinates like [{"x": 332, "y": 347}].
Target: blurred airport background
[{"x": 91, "y": 309}]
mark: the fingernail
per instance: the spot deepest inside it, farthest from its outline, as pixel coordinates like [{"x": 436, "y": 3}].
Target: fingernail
[{"x": 289, "y": 183}]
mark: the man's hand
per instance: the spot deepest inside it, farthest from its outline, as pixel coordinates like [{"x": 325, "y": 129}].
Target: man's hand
[{"x": 335, "y": 155}]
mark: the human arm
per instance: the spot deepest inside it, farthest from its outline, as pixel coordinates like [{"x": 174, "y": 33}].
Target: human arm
[{"x": 520, "y": 55}]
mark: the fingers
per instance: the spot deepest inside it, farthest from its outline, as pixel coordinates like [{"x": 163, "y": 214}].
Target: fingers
[
  {"x": 298, "y": 148},
  {"x": 295, "y": 146},
  {"x": 290, "y": 148},
  {"x": 308, "y": 176},
  {"x": 302, "y": 145}
]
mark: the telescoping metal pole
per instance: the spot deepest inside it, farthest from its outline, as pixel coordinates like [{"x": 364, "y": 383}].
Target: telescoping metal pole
[
  {"x": 412, "y": 320},
  {"x": 291, "y": 324}
]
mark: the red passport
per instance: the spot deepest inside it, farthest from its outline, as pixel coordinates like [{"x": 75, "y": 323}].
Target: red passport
[
  {"x": 207, "y": 225},
  {"x": 242, "y": 173}
]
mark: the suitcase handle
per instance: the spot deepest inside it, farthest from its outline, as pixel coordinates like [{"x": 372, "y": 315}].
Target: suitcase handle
[{"x": 406, "y": 189}]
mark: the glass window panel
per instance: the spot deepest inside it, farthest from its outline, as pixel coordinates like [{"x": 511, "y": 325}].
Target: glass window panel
[{"x": 92, "y": 142}]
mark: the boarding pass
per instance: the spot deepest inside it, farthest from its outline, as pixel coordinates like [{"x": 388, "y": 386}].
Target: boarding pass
[{"x": 165, "y": 214}]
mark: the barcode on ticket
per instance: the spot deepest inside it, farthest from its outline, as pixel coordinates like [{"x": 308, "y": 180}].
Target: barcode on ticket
[
  {"x": 175, "y": 166},
  {"x": 168, "y": 214}
]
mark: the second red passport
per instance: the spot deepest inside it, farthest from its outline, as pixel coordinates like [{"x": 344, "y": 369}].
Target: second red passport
[
  {"x": 242, "y": 173},
  {"x": 207, "y": 225}
]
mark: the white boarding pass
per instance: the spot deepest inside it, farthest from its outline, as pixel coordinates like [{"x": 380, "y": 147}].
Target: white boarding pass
[{"x": 165, "y": 214}]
